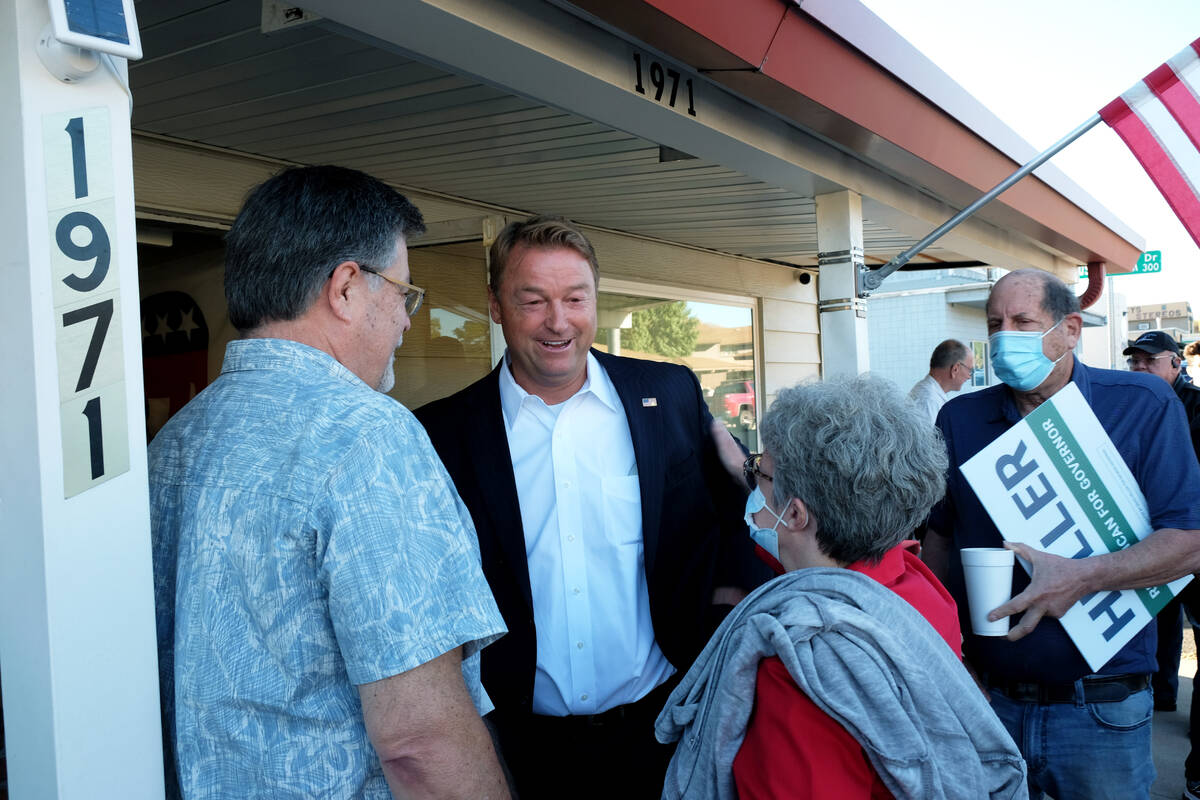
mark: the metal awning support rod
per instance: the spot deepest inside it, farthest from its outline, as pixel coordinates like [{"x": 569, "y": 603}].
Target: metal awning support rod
[{"x": 872, "y": 278}]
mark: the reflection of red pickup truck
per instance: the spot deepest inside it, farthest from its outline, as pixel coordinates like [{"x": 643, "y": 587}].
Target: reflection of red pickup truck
[{"x": 737, "y": 402}]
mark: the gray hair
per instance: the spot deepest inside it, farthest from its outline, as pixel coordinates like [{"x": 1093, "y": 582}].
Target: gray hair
[
  {"x": 1058, "y": 299},
  {"x": 296, "y": 227},
  {"x": 947, "y": 354},
  {"x": 861, "y": 456}
]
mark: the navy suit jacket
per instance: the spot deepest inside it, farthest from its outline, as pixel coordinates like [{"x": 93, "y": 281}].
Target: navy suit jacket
[{"x": 694, "y": 536}]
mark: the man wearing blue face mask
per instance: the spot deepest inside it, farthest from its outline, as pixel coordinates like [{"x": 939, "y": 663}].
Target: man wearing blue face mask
[{"x": 1085, "y": 735}]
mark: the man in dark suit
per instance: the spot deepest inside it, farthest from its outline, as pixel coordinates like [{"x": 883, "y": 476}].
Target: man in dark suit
[{"x": 610, "y": 534}]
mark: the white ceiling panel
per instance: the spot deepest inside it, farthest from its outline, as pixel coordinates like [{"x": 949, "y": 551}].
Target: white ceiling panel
[{"x": 308, "y": 95}]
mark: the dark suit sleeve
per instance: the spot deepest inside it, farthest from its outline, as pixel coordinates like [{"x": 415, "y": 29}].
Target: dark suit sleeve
[
  {"x": 737, "y": 565},
  {"x": 466, "y": 430}
]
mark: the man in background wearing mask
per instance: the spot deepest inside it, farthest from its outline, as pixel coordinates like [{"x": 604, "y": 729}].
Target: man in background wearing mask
[{"x": 1084, "y": 735}]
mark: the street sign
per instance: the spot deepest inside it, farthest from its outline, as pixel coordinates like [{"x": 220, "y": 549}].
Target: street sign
[{"x": 1149, "y": 261}]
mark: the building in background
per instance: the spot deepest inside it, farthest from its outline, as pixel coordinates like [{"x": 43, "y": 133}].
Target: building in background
[
  {"x": 1175, "y": 318},
  {"x": 949, "y": 304},
  {"x": 921, "y": 308},
  {"x": 1102, "y": 345}
]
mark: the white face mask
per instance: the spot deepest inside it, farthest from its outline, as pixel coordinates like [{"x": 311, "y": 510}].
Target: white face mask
[{"x": 766, "y": 538}]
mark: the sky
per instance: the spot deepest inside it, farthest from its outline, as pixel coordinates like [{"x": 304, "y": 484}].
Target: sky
[{"x": 1043, "y": 67}]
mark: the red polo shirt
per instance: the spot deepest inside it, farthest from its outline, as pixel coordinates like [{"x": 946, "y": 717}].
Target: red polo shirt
[{"x": 792, "y": 747}]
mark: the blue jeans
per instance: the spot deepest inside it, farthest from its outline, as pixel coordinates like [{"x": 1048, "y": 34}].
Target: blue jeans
[{"x": 1082, "y": 751}]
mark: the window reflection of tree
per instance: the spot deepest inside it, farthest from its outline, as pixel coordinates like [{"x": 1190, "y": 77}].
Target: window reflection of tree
[
  {"x": 714, "y": 340},
  {"x": 667, "y": 329}
]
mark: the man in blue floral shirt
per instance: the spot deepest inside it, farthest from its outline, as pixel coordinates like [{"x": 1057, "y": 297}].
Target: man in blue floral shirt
[{"x": 321, "y": 605}]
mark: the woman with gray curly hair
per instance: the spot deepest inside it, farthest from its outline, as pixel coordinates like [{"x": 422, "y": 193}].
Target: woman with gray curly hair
[{"x": 842, "y": 677}]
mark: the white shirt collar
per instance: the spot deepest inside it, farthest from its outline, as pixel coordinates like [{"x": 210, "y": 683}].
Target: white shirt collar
[
  {"x": 937, "y": 388},
  {"x": 513, "y": 398}
]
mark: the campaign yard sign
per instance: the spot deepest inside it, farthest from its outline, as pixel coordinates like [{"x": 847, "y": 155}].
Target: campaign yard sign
[{"x": 1056, "y": 482}]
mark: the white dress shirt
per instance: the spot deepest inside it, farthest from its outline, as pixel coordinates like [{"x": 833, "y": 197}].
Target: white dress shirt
[
  {"x": 581, "y": 508},
  {"x": 929, "y": 396}
]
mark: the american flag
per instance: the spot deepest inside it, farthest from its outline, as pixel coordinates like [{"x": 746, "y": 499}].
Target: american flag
[{"x": 1159, "y": 119}]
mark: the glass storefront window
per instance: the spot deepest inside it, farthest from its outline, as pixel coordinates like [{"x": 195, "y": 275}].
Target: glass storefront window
[
  {"x": 979, "y": 376},
  {"x": 448, "y": 346},
  {"x": 714, "y": 340},
  {"x": 185, "y": 323}
]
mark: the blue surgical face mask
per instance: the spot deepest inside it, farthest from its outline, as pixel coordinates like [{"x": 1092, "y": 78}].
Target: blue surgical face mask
[
  {"x": 1018, "y": 360},
  {"x": 766, "y": 538}
]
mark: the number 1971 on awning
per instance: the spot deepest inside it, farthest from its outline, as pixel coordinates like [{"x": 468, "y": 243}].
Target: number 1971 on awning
[{"x": 664, "y": 83}]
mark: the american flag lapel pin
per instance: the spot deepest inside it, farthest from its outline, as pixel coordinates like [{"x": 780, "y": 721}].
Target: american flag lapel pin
[{"x": 649, "y": 402}]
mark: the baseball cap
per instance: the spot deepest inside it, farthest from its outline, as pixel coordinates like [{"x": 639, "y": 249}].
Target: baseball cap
[{"x": 1153, "y": 342}]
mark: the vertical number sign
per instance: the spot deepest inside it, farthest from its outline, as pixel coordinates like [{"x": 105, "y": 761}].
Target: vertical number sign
[{"x": 85, "y": 295}]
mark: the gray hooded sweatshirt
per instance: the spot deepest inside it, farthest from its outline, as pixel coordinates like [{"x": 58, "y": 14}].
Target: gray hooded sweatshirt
[{"x": 870, "y": 661}]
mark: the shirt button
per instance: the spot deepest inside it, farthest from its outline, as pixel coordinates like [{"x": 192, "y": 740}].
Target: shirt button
[
  {"x": 575, "y": 590},
  {"x": 566, "y": 484},
  {"x": 583, "y": 697},
  {"x": 579, "y": 645},
  {"x": 570, "y": 537}
]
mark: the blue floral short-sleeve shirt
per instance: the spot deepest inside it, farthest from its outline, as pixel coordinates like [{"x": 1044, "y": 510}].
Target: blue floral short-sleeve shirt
[{"x": 307, "y": 539}]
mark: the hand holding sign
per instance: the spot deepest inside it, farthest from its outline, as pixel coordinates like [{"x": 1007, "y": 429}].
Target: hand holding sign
[
  {"x": 1062, "y": 489},
  {"x": 1056, "y": 584}
]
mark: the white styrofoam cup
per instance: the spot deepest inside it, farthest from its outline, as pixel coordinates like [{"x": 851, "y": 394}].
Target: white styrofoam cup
[{"x": 988, "y": 572}]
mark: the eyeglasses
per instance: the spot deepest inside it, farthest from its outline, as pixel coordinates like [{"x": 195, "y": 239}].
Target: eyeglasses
[
  {"x": 1144, "y": 361},
  {"x": 751, "y": 471},
  {"x": 413, "y": 295}
]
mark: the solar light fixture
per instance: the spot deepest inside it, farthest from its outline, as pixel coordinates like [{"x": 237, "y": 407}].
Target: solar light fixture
[{"x": 104, "y": 26}]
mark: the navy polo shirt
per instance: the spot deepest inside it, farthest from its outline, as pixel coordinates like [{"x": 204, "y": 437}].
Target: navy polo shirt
[{"x": 1145, "y": 420}]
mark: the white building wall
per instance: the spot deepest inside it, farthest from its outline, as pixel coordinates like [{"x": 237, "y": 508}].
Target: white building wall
[
  {"x": 904, "y": 330},
  {"x": 1102, "y": 346},
  {"x": 912, "y": 315}
]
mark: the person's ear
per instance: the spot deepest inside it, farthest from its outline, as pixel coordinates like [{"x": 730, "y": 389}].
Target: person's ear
[
  {"x": 494, "y": 306},
  {"x": 1073, "y": 326},
  {"x": 796, "y": 515},
  {"x": 338, "y": 290}
]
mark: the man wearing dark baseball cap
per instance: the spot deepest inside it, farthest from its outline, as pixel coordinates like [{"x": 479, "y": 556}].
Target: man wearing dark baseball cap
[
  {"x": 1154, "y": 342},
  {"x": 1158, "y": 353}
]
